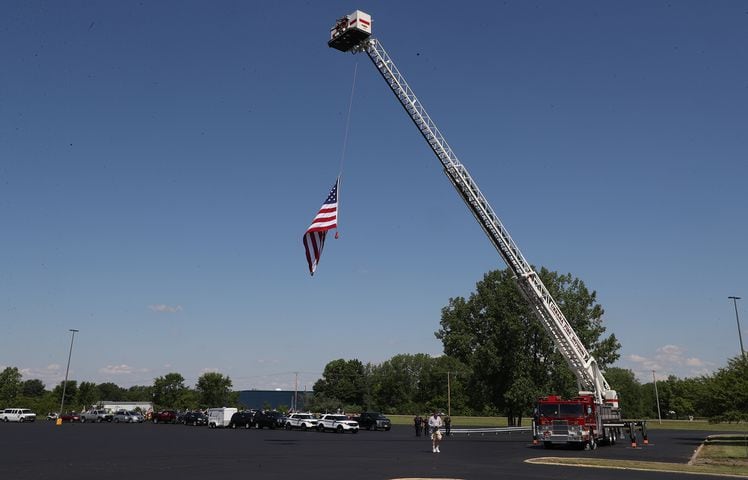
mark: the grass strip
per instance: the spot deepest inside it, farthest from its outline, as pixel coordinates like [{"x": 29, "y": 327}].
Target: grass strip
[{"x": 731, "y": 470}]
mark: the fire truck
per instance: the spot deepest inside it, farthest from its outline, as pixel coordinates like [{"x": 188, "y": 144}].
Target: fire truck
[{"x": 593, "y": 417}]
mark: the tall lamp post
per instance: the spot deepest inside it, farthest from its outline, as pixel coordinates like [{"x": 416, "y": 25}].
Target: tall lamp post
[
  {"x": 657, "y": 396},
  {"x": 740, "y": 335},
  {"x": 67, "y": 370}
]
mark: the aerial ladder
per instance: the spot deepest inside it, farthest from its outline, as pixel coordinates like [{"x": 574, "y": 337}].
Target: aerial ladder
[{"x": 352, "y": 33}]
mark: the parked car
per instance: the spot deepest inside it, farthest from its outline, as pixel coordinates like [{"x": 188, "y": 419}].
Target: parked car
[
  {"x": 242, "y": 419},
  {"x": 126, "y": 416},
  {"x": 97, "y": 416},
  {"x": 373, "y": 421},
  {"x": 303, "y": 421},
  {"x": 195, "y": 419},
  {"x": 337, "y": 422},
  {"x": 269, "y": 419},
  {"x": 52, "y": 416},
  {"x": 165, "y": 416},
  {"x": 70, "y": 417},
  {"x": 18, "y": 415}
]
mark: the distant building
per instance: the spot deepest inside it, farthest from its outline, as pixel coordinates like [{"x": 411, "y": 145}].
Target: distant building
[
  {"x": 273, "y": 399},
  {"x": 114, "y": 406}
]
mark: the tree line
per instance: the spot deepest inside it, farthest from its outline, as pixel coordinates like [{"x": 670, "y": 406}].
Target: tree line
[
  {"x": 168, "y": 391},
  {"x": 498, "y": 360},
  {"x": 416, "y": 384}
]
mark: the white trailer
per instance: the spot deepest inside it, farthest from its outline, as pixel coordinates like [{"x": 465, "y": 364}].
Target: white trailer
[{"x": 220, "y": 417}]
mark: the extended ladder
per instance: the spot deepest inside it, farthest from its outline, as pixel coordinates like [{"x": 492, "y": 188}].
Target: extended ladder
[{"x": 582, "y": 363}]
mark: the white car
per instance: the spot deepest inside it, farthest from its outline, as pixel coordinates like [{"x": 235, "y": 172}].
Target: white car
[
  {"x": 18, "y": 415},
  {"x": 304, "y": 421},
  {"x": 337, "y": 422}
]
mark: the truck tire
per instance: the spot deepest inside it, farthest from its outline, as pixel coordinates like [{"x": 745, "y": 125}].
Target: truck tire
[{"x": 339, "y": 429}]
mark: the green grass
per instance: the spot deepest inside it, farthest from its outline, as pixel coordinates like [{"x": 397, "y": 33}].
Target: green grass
[
  {"x": 696, "y": 425},
  {"x": 460, "y": 421},
  {"x": 645, "y": 466}
]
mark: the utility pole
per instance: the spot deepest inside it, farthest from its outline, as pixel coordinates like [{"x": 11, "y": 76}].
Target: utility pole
[
  {"x": 657, "y": 396},
  {"x": 449, "y": 397},
  {"x": 67, "y": 370},
  {"x": 740, "y": 335},
  {"x": 296, "y": 391}
]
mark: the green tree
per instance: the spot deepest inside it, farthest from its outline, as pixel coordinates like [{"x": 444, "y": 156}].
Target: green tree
[
  {"x": 71, "y": 392},
  {"x": 88, "y": 395},
  {"x": 397, "y": 384},
  {"x": 725, "y": 396},
  {"x": 10, "y": 385},
  {"x": 33, "y": 388},
  {"x": 214, "y": 389},
  {"x": 513, "y": 359},
  {"x": 168, "y": 390},
  {"x": 110, "y": 392},
  {"x": 630, "y": 392},
  {"x": 140, "y": 393},
  {"x": 344, "y": 381}
]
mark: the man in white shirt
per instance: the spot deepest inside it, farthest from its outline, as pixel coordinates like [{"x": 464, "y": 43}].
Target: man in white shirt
[{"x": 435, "y": 424}]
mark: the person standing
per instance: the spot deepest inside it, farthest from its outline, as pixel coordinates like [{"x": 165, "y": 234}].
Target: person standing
[
  {"x": 426, "y": 426},
  {"x": 435, "y": 424},
  {"x": 417, "y": 421},
  {"x": 447, "y": 425}
]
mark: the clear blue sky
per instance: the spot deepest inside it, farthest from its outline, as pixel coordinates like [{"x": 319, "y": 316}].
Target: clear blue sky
[{"x": 160, "y": 161}]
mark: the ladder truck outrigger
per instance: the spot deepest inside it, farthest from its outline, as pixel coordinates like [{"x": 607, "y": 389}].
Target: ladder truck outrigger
[{"x": 591, "y": 418}]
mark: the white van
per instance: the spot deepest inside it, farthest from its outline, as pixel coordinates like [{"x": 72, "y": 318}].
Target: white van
[
  {"x": 220, "y": 417},
  {"x": 18, "y": 415}
]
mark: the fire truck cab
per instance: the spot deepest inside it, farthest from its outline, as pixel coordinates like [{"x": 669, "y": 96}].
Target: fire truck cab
[{"x": 577, "y": 421}]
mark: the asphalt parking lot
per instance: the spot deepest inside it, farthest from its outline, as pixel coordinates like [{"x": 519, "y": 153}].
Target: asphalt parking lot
[{"x": 42, "y": 450}]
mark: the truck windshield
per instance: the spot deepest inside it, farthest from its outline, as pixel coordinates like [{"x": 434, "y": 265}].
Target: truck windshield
[
  {"x": 572, "y": 410},
  {"x": 561, "y": 410},
  {"x": 548, "y": 409}
]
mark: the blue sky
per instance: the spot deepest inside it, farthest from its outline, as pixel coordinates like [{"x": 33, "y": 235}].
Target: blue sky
[{"x": 160, "y": 161}]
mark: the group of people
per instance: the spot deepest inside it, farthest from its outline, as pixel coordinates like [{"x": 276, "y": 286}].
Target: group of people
[{"x": 432, "y": 427}]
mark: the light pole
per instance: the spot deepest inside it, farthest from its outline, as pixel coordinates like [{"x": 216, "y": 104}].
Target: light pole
[
  {"x": 737, "y": 319},
  {"x": 67, "y": 370},
  {"x": 657, "y": 397}
]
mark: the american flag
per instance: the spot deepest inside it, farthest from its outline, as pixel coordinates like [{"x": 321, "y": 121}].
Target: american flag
[{"x": 326, "y": 219}]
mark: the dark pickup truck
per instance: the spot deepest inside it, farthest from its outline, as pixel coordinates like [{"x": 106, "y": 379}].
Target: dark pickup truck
[
  {"x": 373, "y": 421},
  {"x": 269, "y": 419}
]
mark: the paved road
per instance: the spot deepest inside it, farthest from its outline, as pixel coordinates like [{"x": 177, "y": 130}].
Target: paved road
[{"x": 157, "y": 452}]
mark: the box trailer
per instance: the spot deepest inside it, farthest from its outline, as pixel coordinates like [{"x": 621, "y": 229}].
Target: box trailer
[{"x": 220, "y": 417}]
